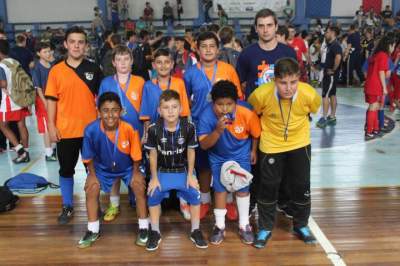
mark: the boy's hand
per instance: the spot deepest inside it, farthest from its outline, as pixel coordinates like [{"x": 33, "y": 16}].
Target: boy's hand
[
  {"x": 90, "y": 181},
  {"x": 192, "y": 182},
  {"x": 54, "y": 134},
  {"x": 221, "y": 125},
  {"x": 153, "y": 185}
]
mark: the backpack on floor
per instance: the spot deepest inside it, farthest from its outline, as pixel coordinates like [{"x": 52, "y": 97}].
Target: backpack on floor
[
  {"x": 26, "y": 183},
  {"x": 8, "y": 200},
  {"x": 23, "y": 92}
]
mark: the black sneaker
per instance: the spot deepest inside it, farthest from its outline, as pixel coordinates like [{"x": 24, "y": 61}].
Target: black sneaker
[
  {"x": 65, "y": 215},
  {"x": 154, "y": 240},
  {"x": 304, "y": 233},
  {"x": 23, "y": 158},
  {"x": 369, "y": 136},
  {"x": 197, "y": 238}
]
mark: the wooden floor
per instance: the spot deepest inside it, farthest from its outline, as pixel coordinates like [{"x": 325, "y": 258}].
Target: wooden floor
[{"x": 362, "y": 224}]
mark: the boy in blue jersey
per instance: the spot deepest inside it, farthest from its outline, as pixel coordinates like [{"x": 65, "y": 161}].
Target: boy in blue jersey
[
  {"x": 171, "y": 143},
  {"x": 199, "y": 80},
  {"x": 229, "y": 132},
  {"x": 112, "y": 151},
  {"x": 163, "y": 65},
  {"x": 129, "y": 88},
  {"x": 39, "y": 74}
]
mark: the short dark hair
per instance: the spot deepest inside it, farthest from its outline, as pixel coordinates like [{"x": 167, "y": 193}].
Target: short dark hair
[
  {"x": 20, "y": 38},
  {"x": 116, "y": 39},
  {"x": 75, "y": 29},
  {"x": 335, "y": 29},
  {"x": 42, "y": 45},
  {"x": 206, "y": 36},
  {"x": 283, "y": 30},
  {"x": 226, "y": 34},
  {"x": 263, "y": 13},
  {"x": 4, "y": 47},
  {"x": 224, "y": 89},
  {"x": 168, "y": 95},
  {"x": 129, "y": 34},
  {"x": 286, "y": 66},
  {"x": 108, "y": 97},
  {"x": 143, "y": 33},
  {"x": 161, "y": 52},
  {"x": 121, "y": 50}
]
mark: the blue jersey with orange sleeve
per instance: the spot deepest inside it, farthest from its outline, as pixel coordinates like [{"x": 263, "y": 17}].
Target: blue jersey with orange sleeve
[
  {"x": 105, "y": 150},
  {"x": 131, "y": 98},
  {"x": 199, "y": 82},
  {"x": 235, "y": 142},
  {"x": 151, "y": 97}
]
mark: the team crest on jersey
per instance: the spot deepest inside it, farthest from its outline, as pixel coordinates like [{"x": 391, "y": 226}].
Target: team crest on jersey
[
  {"x": 238, "y": 129},
  {"x": 163, "y": 140},
  {"x": 271, "y": 160},
  {"x": 125, "y": 144},
  {"x": 265, "y": 73},
  {"x": 89, "y": 75},
  {"x": 134, "y": 96},
  {"x": 181, "y": 141}
]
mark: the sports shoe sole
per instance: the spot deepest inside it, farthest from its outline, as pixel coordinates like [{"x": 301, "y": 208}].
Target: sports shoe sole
[
  {"x": 153, "y": 249},
  {"x": 197, "y": 246},
  {"x": 88, "y": 246},
  {"x": 141, "y": 243}
]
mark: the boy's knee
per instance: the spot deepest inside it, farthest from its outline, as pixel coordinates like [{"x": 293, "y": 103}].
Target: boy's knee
[{"x": 92, "y": 189}]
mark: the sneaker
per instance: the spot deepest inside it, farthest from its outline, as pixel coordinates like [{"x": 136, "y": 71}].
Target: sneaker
[
  {"x": 154, "y": 240},
  {"x": 142, "y": 237},
  {"x": 386, "y": 129},
  {"x": 369, "y": 136},
  {"x": 65, "y": 215},
  {"x": 231, "y": 211},
  {"x": 204, "y": 208},
  {"x": 262, "y": 238},
  {"x": 111, "y": 213},
  {"x": 88, "y": 239},
  {"x": 285, "y": 210},
  {"x": 185, "y": 210},
  {"x": 23, "y": 158},
  {"x": 304, "y": 233},
  {"x": 321, "y": 123},
  {"x": 51, "y": 158},
  {"x": 378, "y": 134},
  {"x": 217, "y": 236},
  {"x": 197, "y": 238},
  {"x": 246, "y": 235},
  {"x": 331, "y": 121}
]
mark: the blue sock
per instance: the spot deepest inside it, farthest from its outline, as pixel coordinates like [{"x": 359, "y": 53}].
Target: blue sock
[
  {"x": 381, "y": 118},
  {"x": 67, "y": 190}
]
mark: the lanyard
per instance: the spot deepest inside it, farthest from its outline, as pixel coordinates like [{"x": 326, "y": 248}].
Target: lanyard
[
  {"x": 113, "y": 154},
  {"x": 286, "y": 125},
  {"x": 213, "y": 76},
  {"x": 121, "y": 89},
  {"x": 168, "y": 86}
]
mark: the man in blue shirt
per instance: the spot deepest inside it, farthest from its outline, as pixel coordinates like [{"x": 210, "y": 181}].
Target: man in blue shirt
[{"x": 354, "y": 50}]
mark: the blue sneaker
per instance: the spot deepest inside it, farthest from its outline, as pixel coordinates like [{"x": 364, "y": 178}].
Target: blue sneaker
[
  {"x": 304, "y": 233},
  {"x": 262, "y": 238},
  {"x": 322, "y": 123}
]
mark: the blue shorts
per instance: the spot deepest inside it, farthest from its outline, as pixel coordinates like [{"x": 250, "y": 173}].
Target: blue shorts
[
  {"x": 169, "y": 181},
  {"x": 216, "y": 177},
  {"x": 107, "y": 180}
]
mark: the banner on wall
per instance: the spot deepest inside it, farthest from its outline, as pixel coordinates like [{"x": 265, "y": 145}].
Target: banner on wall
[{"x": 244, "y": 7}]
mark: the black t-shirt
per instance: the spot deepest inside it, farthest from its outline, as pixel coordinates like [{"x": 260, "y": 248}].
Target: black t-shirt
[
  {"x": 23, "y": 56},
  {"x": 367, "y": 45},
  {"x": 355, "y": 40},
  {"x": 333, "y": 49},
  {"x": 386, "y": 13},
  {"x": 171, "y": 146}
]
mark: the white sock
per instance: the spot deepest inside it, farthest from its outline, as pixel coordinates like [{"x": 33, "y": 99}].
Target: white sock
[
  {"x": 205, "y": 197},
  {"x": 243, "y": 204},
  {"x": 229, "y": 198},
  {"x": 18, "y": 147},
  {"x": 114, "y": 201},
  {"x": 53, "y": 145},
  {"x": 143, "y": 223},
  {"x": 94, "y": 226},
  {"x": 48, "y": 151},
  {"x": 26, "y": 149},
  {"x": 220, "y": 218},
  {"x": 182, "y": 201}
]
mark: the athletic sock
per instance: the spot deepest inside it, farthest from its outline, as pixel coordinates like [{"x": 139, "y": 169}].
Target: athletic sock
[
  {"x": 205, "y": 197},
  {"x": 195, "y": 224},
  {"x": 243, "y": 204},
  {"x": 381, "y": 118},
  {"x": 48, "y": 151},
  {"x": 144, "y": 223},
  {"x": 155, "y": 227},
  {"x": 94, "y": 226},
  {"x": 220, "y": 218},
  {"x": 114, "y": 201},
  {"x": 67, "y": 190},
  {"x": 370, "y": 121}
]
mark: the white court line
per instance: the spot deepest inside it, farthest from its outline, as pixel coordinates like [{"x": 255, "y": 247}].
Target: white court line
[{"x": 329, "y": 249}]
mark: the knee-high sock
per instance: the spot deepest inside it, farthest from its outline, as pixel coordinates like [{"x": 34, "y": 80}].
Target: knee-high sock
[{"x": 67, "y": 190}]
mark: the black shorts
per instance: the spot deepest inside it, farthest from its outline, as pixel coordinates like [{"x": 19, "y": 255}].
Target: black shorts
[{"x": 329, "y": 85}]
